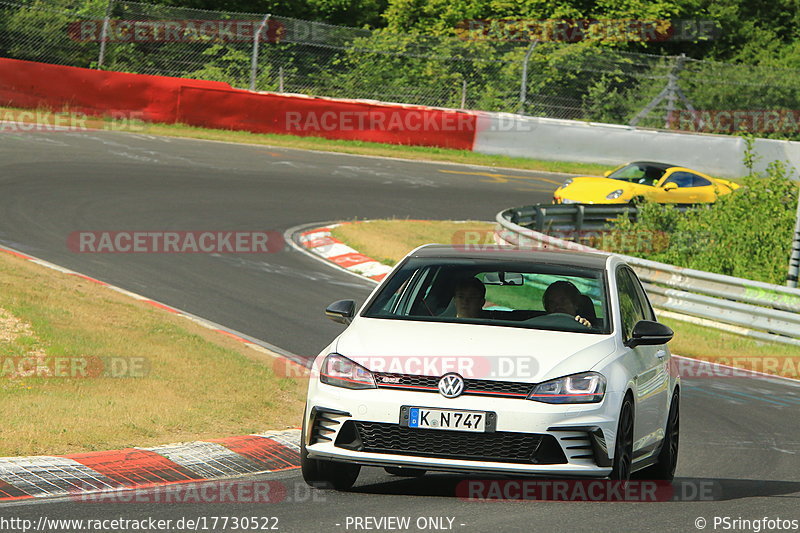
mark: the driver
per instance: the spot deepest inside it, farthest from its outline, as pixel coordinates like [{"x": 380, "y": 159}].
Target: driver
[{"x": 469, "y": 297}]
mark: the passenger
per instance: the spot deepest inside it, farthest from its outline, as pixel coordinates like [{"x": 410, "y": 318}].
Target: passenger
[
  {"x": 469, "y": 297},
  {"x": 561, "y": 301}
]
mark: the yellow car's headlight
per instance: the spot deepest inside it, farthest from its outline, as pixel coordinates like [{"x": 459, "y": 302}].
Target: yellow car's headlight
[{"x": 614, "y": 195}]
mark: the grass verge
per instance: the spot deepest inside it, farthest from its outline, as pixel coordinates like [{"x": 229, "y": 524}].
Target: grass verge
[
  {"x": 421, "y": 153},
  {"x": 389, "y": 240},
  {"x": 60, "y": 339}
]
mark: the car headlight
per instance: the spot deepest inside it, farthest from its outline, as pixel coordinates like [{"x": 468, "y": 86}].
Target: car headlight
[
  {"x": 566, "y": 182},
  {"x": 588, "y": 387},
  {"x": 614, "y": 195},
  {"x": 340, "y": 371}
]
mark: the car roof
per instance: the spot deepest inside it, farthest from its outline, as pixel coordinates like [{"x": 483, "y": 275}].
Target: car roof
[
  {"x": 661, "y": 166},
  {"x": 594, "y": 260}
]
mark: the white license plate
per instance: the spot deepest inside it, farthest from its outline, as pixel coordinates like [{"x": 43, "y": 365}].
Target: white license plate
[{"x": 419, "y": 417}]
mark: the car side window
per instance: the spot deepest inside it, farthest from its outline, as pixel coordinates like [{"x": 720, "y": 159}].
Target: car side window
[
  {"x": 630, "y": 306},
  {"x": 700, "y": 181},
  {"x": 687, "y": 179},
  {"x": 647, "y": 309},
  {"x": 681, "y": 179}
]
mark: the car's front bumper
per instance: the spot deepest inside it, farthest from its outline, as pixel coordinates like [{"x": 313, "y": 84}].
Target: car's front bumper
[{"x": 580, "y": 431}]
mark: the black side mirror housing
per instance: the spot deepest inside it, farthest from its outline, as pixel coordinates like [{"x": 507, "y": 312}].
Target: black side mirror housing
[
  {"x": 649, "y": 333},
  {"x": 341, "y": 311}
]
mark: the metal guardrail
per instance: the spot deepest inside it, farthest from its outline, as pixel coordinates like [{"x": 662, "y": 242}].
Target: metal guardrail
[
  {"x": 751, "y": 308},
  {"x": 572, "y": 217}
]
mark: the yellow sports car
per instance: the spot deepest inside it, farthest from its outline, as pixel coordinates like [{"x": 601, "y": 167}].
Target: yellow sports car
[{"x": 640, "y": 180}]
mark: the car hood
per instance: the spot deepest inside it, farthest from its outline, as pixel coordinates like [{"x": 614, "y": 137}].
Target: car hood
[{"x": 475, "y": 351}]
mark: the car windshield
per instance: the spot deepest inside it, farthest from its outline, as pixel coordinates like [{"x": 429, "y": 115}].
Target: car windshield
[
  {"x": 493, "y": 292},
  {"x": 641, "y": 173}
]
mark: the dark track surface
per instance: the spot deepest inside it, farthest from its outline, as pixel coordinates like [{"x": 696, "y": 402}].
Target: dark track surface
[
  {"x": 740, "y": 436},
  {"x": 53, "y": 184}
]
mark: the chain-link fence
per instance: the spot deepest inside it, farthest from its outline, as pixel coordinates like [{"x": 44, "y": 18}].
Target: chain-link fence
[{"x": 587, "y": 80}]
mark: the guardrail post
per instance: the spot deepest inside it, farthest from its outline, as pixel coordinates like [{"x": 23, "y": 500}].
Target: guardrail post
[
  {"x": 539, "y": 225},
  {"x": 579, "y": 213}
]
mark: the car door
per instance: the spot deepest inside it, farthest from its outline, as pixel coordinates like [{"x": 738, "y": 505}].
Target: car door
[
  {"x": 684, "y": 193},
  {"x": 650, "y": 365},
  {"x": 661, "y": 379},
  {"x": 704, "y": 190}
]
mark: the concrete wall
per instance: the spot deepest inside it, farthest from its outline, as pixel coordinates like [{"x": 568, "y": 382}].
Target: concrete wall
[{"x": 568, "y": 140}]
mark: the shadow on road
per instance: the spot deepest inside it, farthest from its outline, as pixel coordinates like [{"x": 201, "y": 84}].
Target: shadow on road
[{"x": 537, "y": 489}]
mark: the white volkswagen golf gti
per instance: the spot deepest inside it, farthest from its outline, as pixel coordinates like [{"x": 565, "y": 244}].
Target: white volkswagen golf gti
[{"x": 495, "y": 361}]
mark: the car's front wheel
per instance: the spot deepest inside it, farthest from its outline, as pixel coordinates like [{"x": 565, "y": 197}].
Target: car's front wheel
[
  {"x": 623, "y": 449},
  {"x": 327, "y": 474},
  {"x": 668, "y": 456}
]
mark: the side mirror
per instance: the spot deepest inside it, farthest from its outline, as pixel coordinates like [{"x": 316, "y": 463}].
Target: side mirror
[
  {"x": 607, "y": 173},
  {"x": 341, "y": 311},
  {"x": 649, "y": 333},
  {"x": 670, "y": 186}
]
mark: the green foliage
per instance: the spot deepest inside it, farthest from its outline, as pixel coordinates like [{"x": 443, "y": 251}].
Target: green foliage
[
  {"x": 420, "y": 55},
  {"x": 747, "y": 234},
  {"x": 226, "y": 64}
]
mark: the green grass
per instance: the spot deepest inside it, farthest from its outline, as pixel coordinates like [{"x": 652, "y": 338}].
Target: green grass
[{"x": 177, "y": 381}]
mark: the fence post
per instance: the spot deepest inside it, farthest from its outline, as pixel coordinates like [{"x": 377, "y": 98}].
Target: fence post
[
  {"x": 254, "y": 58},
  {"x": 523, "y": 89},
  {"x": 794, "y": 261},
  {"x": 671, "y": 92},
  {"x": 104, "y": 34},
  {"x": 280, "y": 79},
  {"x": 463, "y": 94}
]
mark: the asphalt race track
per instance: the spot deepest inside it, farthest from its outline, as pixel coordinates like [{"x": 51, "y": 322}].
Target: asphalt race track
[{"x": 740, "y": 447}]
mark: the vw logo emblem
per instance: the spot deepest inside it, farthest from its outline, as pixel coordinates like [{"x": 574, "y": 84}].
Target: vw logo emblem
[{"x": 451, "y": 385}]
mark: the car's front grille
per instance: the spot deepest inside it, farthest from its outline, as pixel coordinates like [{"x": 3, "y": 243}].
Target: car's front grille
[
  {"x": 473, "y": 387},
  {"x": 499, "y": 446}
]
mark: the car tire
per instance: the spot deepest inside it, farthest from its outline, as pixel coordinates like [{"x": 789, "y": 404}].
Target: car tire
[
  {"x": 404, "y": 472},
  {"x": 623, "y": 447},
  {"x": 664, "y": 469},
  {"x": 327, "y": 475}
]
